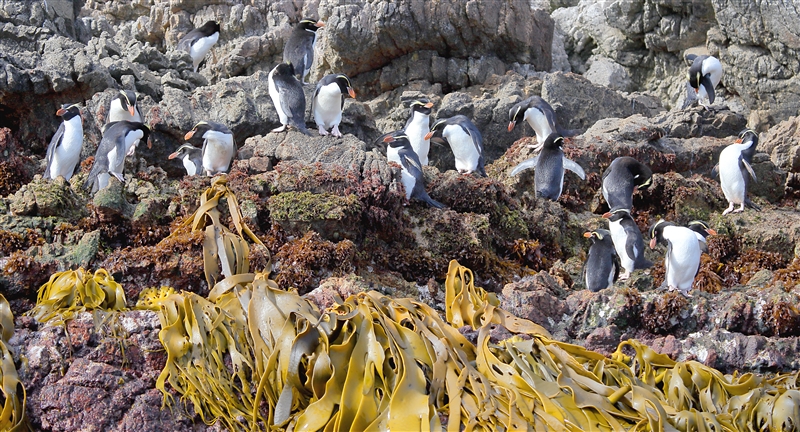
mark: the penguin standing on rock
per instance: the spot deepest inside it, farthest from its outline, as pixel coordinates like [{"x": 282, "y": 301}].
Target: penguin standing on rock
[
  {"x": 549, "y": 168},
  {"x": 539, "y": 115},
  {"x": 123, "y": 107},
  {"x": 218, "y": 147},
  {"x": 191, "y": 156},
  {"x": 399, "y": 150},
  {"x": 621, "y": 178},
  {"x": 682, "y": 260},
  {"x": 329, "y": 102},
  {"x": 602, "y": 265},
  {"x": 417, "y": 128},
  {"x": 64, "y": 151},
  {"x": 199, "y": 41},
  {"x": 465, "y": 141},
  {"x": 735, "y": 171},
  {"x": 702, "y": 230},
  {"x": 119, "y": 140},
  {"x": 628, "y": 242},
  {"x": 299, "y": 49},
  {"x": 705, "y": 73},
  {"x": 288, "y": 97}
]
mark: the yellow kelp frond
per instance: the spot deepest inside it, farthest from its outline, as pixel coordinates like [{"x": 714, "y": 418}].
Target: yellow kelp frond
[
  {"x": 13, "y": 417},
  {"x": 151, "y": 298},
  {"x": 224, "y": 251},
  {"x": 73, "y": 291}
]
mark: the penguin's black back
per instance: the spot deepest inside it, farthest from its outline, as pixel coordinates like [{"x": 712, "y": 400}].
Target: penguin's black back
[
  {"x": 548, "y": 176},
  {"x": 600, "y": 263},
  {"x": 620, "y": 178}
]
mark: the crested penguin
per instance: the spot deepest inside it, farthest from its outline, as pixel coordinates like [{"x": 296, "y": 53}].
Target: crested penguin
[
  {"x": 123, "y": 107},
  {"x": 199, "y": 41},
  {"x": 735, "y": 171},
  {"x": 329, "y": 102},
  {"x": 704, "y": 75},
  {"x": 288, "y": 97},
  {"x": 628, "y": 241},
  {"x": 218, "y": 147},
  {"x": 621, "y": 178},
  {"x": 701, "y": 230},
  {"x": 399, "y": 150},
  {"x": 64, "y": 150},
  {"x": 465, "y": 141},
  {"x": 191, "y": 156},
  {"x": 549, "y": 168},
  {"x": 682, "y": 260},
  {"x": 602, "y": 264},
  {"x": 418, "y": 126},
  {"x": 119, "y": 140},
  {"x": 299, "y": 48},
  {"x": 539, "y": 115}
]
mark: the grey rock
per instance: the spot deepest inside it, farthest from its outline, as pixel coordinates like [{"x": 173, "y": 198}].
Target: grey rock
[{"x": 606, "y": 72}]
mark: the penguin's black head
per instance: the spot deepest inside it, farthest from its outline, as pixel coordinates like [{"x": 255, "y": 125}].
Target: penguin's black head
[
  {"x": 284, "y": 69},
  {"x": 127, "y": 99},
  {"x": 617, "y": 214},
  {"x": 553, "y": 141},
  {"x": 310, "y": 25},
  {"x": 397, "y": 139},
  {"x": 747, "y": 135},
  {"x": 515, "y": 115},
  {"x": 209, "y": 28},
  {"x": 696, "y": 73},
  {"x": 202, "y": 127},
  {"x": 701, "y": 228},
  {"x": 597, "y": 235},
  {"x": 184, "y": 150},
  {"x": 69, "y": 111},
  {"x": 423, "y": 106},
  {"x": 642, "y": 174},
  {"x": 344, "y": 85},
  {"x": 437, "y": 129},
  {"x": 657, "y": 232}
]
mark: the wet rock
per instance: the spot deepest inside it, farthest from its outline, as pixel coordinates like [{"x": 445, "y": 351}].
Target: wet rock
[
  {"x": 111, "y": 200},
  {"x": 537, "y": 298}
]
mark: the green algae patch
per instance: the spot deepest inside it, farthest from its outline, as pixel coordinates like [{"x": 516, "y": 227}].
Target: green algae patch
[{"x": 334, "y": 216}]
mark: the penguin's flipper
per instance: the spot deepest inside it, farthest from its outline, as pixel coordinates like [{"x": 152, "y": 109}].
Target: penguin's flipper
[
  {"x": 526, "y": 164},
  {"x": 119, "y": 176},
  {"x": 427, "y": 199},
  {"x": 51, "y": 149},
  {"x": 690, "y": 58},
  {"x": 709, "y": 86},
  {"x": 574, "y": 167},
  {"x": 746, "y": 165},
  {"x": 715, "y": 171},
  {"x": 617, "y": 264},
  {"x": 751, "y": 204}
]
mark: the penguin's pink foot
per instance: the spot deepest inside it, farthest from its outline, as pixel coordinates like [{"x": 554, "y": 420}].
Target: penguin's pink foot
[
  {"x": 279, "y": 129},
  {"x": 728, "y": 210},
  {"x": 335, "y": 132},
  {"x": 322, "y": 131}
]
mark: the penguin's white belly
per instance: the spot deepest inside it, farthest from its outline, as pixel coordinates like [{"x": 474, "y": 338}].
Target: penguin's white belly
[
  {"x": 217, "y": 155},
  {"x": 201, "y": 47},
  {"x": 619, "y": 238},
  {"x": 191, "y": 169},
  {"x": 683, "y": 259},
  {"x": 730, "y": 175},
  {"x": 276, "y": 100},
  {"x": 463, "y": 149},
  {"x": 712, "y": 66},
  {"x": 539, "y": 123},
  {"x": 67, "y": 155},
  {"x": 416, "y": 131},
  {"x": 328, "y": 106},
  {"x": 408, "y": 182}
]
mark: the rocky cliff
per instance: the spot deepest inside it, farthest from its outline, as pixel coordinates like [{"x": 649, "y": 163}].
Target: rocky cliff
[{"x": 331, "y": 211}]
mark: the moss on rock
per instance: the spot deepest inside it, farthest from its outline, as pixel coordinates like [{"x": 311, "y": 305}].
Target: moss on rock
[{"x": 333, "y": 216}]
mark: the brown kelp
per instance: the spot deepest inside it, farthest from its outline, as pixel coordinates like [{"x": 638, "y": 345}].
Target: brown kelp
[{"x": 13, "y": 417}]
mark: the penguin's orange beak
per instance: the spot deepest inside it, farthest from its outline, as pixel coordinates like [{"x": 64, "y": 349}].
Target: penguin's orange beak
[
  {"x": 351, "y": 92},
  {"x": 131, "y": 110},
  {"x": 652, "y": 243},
  {"x": 587, "y": 234},
  {"x": 320, "y": 24},
  {"x": 429, "y": 105},
  {"x": 388, "y": 139},
  {"x": 711, "y": 231},
  {"x": 428, "y": 135},
  {"x": 511, "y": 125},
  {"x": 738, "y": 141},
  {"x": 61, "y": 111},
  {"x": 189, "y": 135},
  {"x": 172, "y": 155},
  {"x": 606, "y": 215}
]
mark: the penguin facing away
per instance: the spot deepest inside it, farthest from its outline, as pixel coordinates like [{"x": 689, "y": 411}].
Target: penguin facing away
[
  {"x": 218, "y": 146},
  {"x": 704, "y": 76},
  {"x": 64, "y": 151},
  {"x": 199, "y": 41},
  {"x": 602, "y": 263},
  {"x": 399, "y": 150},
  {"x": 539, "y": 115},
  {"x": 191, "y": 156},
  {"x": 119, "y": 140},
  {"x": 735, "y": 171},
  {"x": 465, "y": 141},
  {"x": 329, "y": 102},
  {"x": 621, "y": 178},
  {"x": 549, "y": 167},
  {"x": 299, "y": 48},
  {"x": 702, "y": 230},
  {"x": 682, "y": 260},
  {"x": 288, "y": 97},
  {"x": 417, "y": 127},
  {"x": 123, "y": 107},
  {"x": 628, "y": 242}
]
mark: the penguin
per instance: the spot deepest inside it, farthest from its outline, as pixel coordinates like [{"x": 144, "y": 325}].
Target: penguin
[
  {"x": 64, "y": 151},
  {"x": 465, "y": 141},
  {"x": 628, "y": 242},
  {"x": 123, "y": 107},
  {"x": 199, "y": 41},
  {"x": 299, "y": 48},
  {"x": 735, "y": 171},
  {"x": 218, "y": 147},
  {"x": 191, "y": 156},
  {"x": 539, "y": 115},
  {"x": 329, "y": 101},
  {"x": 705, "y": 73},
  {"x": 601, "y": 269},
  {"x": 701, "y": 230},
  {"x": 550, "y": 165},
  {"x": 682, "y": 260},
  {"x": 418, "y": 126},
  {"x": 399, "y": 150},
  {"x": 288, "y": 97},
  {"x": 119, "y": 140},
  {"x": 621, "y": 178}
]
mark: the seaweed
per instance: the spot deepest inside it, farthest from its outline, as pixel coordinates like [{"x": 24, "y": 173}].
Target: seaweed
[{"x": 663, "y": 313}]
